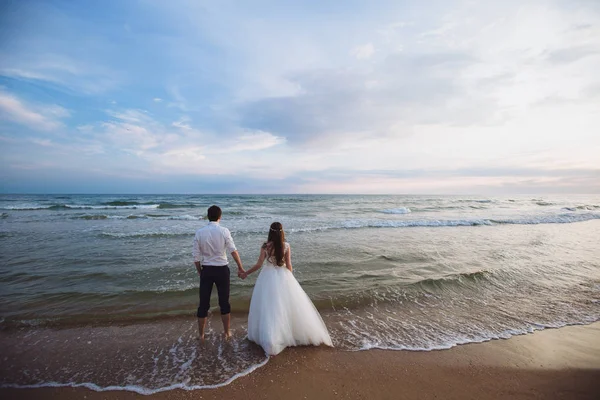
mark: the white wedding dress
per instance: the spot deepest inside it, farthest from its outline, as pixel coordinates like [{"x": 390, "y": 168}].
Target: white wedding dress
[{"x": 281, "y": 313}]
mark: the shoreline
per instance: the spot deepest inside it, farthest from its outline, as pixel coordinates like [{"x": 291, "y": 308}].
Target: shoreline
[{"x": 561, "y": 363}]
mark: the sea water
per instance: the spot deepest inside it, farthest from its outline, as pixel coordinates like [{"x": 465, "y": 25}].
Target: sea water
[{"x": 101, "y": 291}]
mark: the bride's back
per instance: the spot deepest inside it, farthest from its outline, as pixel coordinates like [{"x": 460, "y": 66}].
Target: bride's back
[{"x": 274, "y": 257}]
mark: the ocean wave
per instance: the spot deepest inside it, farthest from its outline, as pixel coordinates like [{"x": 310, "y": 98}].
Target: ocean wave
[
  {"x": 432, "y": 223},
  {"x": 399, "y": 210},
  {"x": 160, "y": 206},
  {"x": 164, "y": 217},
  {"x": 26, "y": 208},
  {"x": 79, "y": 207},
  {"x": 355, "y": 224},
  {"x": 176, "y": 361},
  {"x": 137, "y": 388},
  {"x": 483, "y": 336},
  {"x": 375, "y": 223},
  {"x": 92, "y": 217},
  {"x": 295, "y": 199},
  {"x": 121, "y": 203},
  {"x": 474, "y": 201},
  {"x": 32, "y": 277},
  {"x": 107, "y": 207},
  {"x": 436, "y": 208},
  {"x": 184, "y": 218},
  {"x": 586, "y": 207},
  {"x": 551, "y": 219},
  {"x": 544, "y": 203},
  {"x": 135, "y": 204},
  {"x": 164, "y": 206},
  {"x": 175, "y": 298},
  {"x": 535, "y": 220},
  {"x": 126, "y": 295},
  {"x": 457, "y": 277},
  {"x": 21, "y": 277},
  {"x": 173, "y": 360},
  {"x": 144, "y": 234}
]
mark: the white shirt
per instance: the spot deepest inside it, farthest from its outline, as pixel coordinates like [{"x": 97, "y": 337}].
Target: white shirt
[{"x": 210, "y": 244}]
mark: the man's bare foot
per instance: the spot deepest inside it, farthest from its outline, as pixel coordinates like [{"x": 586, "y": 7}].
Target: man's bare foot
[{"x": 227, "y": 335}]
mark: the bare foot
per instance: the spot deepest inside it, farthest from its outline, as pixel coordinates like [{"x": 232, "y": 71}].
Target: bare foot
[{"x": 227, "y": 335}]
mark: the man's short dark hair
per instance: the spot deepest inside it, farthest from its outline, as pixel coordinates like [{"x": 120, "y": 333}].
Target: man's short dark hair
[{"x": 214, "y": 213}]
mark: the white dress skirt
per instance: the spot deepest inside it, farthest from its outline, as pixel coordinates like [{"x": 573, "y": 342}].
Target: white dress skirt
[{"x": 282, "y": 314}]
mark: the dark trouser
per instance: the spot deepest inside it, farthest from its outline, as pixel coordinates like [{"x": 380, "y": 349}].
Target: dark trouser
[{"x": 219, "y": 275}]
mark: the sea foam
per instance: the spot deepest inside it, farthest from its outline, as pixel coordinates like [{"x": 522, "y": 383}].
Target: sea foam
[{"x": 400, "y": 210}]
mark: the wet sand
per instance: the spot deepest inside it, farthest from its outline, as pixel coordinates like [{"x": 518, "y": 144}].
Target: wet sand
[{"x": 551, "y": 364}]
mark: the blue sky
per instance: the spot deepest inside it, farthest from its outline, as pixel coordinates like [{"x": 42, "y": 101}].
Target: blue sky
[{"x": 300, "y": 97}]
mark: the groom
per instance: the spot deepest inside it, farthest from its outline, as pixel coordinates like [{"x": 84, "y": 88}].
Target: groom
[{"x": 210, "y": 246}]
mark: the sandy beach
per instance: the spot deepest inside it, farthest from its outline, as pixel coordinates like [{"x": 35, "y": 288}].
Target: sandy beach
[{"x": 551, "y": 364}]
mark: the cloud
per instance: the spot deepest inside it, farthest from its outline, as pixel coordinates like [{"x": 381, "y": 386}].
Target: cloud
[
  {"x": 58, "y": 48},
  {"x": 434, "y": 93},
  {"x": 402, "y": 90},
  {"x": 42, "y": 142},
  {"x": 130, "y": 137},
  {"x": 28, "y": 75},
  {"x": 38, "y": 117},
  {"x": 488, "y": 180},
  {"x": 130, "y": 115},
  {"x": 572, "y": 54},
  {"x": 180, "y": 101},
  {"x": 593, "y": 91},
  {"x": 182, "y": 124},
  {"x": 470, "y": 65},
  {"x": 63, "y": 72},
  {"x": 181, "y": 159},
  {"x": 364, "y": 51},
  {"x": 252, "y": 141},
  {"x": 172, "y": 148}
]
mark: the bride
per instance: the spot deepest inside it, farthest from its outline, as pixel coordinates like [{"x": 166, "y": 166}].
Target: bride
[{"x": 281, "y": 314}]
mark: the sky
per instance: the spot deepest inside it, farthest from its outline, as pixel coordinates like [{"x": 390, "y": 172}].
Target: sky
[{"x": 406, "y": 97}]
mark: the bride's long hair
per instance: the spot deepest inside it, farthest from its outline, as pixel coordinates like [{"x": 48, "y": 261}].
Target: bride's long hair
[{"x": 276, "y": 239}]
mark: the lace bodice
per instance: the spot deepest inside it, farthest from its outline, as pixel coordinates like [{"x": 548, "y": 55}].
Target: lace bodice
[{"x": 270, "y": 260}]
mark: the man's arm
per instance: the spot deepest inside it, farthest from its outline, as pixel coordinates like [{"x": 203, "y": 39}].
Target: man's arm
[
  {"x": 196, "y": 254},
  {"x": 238, "y": 261},
  {"x": 230, "y": 245}
]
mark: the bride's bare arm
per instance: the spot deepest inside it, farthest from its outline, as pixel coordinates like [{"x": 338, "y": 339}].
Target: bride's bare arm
[
  {"x": 288, "y": 258},
  {"x": 259, "y": 262}
]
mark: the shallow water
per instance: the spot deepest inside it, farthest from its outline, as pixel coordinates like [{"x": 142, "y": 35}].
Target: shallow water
[{"x": 396, "y": 272}]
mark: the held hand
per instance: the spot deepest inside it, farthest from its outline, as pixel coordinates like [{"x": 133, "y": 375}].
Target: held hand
[{"x": 241, "y": 273}]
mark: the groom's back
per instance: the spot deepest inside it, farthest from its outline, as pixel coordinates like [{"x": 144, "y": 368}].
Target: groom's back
[{"x": 213, "y": 242}]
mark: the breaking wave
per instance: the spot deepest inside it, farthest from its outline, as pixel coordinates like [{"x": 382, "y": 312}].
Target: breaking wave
[{"x": 400, "y": 210}]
